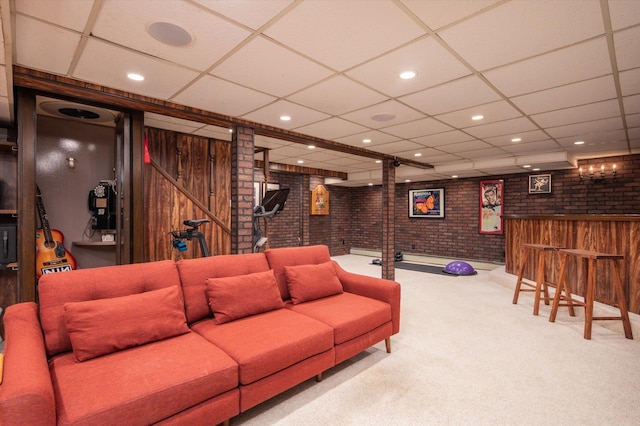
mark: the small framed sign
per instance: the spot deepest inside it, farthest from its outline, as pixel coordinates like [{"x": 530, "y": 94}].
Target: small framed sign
[{"x": 540, "y": 184}]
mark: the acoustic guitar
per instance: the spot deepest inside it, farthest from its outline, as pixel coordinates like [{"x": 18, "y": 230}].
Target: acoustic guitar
[{"x": 51, "y": 255}]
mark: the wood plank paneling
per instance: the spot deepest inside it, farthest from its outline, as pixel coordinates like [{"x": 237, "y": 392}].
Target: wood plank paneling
[{"x": 610, "y": 234}]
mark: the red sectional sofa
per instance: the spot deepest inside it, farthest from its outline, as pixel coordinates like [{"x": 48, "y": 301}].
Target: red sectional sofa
[{"x": 192, "y": 342}]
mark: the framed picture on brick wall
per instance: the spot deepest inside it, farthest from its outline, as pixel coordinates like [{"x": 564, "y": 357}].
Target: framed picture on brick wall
[
  {"x": 491, "y": 206},
  {"x": 540, "y": 184},
  {"x": 427, "y": 203}
]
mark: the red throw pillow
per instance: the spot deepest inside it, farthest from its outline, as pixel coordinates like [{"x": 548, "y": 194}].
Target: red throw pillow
[
  {"x": 241, "y": 296},
  {"x": 311, "y": 282},
  {"x": 102, "y": 326}
]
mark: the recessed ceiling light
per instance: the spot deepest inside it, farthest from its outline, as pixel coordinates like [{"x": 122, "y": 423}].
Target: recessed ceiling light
[
  {"x": 477, "y": 117},
  {"x": 168, "y": 33},
  {"x": 536, "y": 169},
  {"x": 408, "y": 75},
  {"x": 516, "y": 139},
  {"x": 417, "y": 154},
  {"x": 300, "y": 161},
  {"x": 378, "y": 161},
  {"x": 370, "y": 184},
  {"x": 526, "y": 166},
  {"x": 579, "y": 143},
  {"x": 366, "y": 140},
  {"x": 311, "y": 147},
  {"x": 407, "y": 180},
  {"x": 135, "y": 77},
  {"x": 383, "y": 116},
  {"x": 454, "y": 176},
  {"x": 285, "y": 118}
]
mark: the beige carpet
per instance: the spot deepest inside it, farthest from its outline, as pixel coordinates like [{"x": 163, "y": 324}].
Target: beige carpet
[{"x": 466, "y": 355}]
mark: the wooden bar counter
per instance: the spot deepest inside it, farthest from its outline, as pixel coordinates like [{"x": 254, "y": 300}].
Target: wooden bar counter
[{"x": 618, "y": 234}]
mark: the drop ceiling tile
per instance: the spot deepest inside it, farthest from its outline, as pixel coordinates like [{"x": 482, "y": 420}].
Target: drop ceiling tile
[
  {"x": 5, "y": 111},
  {"x": 212, "y": 94},
  {"x": 272, "y": 78},
  {"x": 345, "y": 34},
  {"x": 624, "y": 13},
  {"x": 271, "y": 143},
  {"x": 507, "y": 127},
  {"x": 598, "y": 89},
  {"x": 438, "y": 13},
  {"x": 43, "y": 46},
  {"x": 440, "y": 158},
  {"x": 414, "y": 129},
  {"x": 483, "y": 153},
  {"x": 214, "y": 132},
  {"x": 627, "y": 52},
  {"x": 213, "y": 37},
  {"x": 443, "y": 138},
  {"x": 492, "y": 112},
  {"x": 579, "y": 114},
  {"x": 579, "y": 62},
  {"x": 630, "y": 82},
  {"x": 400, "y": 146},
  {"x": 70, "y": 14},
  {"x": 3, "y": 82},
  {"x": 270, "y": 115},
  {"x": 432, "y": 62},
  {"x": 108, "y": 64},
  {"x": 547, "y": 145},
  {"x": 633, "y": 120},
  {"x": 426, "y": 153},
  {"x": 505, "y": 140},
  {"x": 170, "y": 123},
  {"x": 331, "y": 128},
  {"x": 484, "y": 44},
  {"x": 456, "y": 95},
  {"x": 462, "y": 147},
  {"x": 593, "y": 139},
  {"x": 346, "y": 96},
  {"x": 401, "y": 113},
  {"x": 251, "y": 13},
  {"x": 376, "y": 137},
  {"x": 602, "y": 148},
  {"x": 634, "y": 133},
  {"x": 631, "y": 104}
]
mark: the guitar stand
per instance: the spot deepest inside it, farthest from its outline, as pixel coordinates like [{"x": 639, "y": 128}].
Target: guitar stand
[{"x": 189, "y": 234}]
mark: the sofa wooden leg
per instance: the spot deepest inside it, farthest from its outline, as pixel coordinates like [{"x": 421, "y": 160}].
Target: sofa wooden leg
[
  {"x": 387, "y": 343},
  {"x": 319, "y": 377}
]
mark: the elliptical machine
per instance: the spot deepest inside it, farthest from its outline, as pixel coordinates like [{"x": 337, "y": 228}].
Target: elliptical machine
[{"x": 188, "y": 234}]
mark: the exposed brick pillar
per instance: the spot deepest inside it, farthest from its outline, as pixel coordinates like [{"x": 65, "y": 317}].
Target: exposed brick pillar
[
  {"x": 388, "y": 219},
  {"x": 242, "y": 145},
  {"x": 306, "y": 210}
]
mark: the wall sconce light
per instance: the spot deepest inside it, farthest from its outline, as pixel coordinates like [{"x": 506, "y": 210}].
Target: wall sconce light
[
  {"x": 600, "y": 176},
  {"x": 71, "y": 162}
]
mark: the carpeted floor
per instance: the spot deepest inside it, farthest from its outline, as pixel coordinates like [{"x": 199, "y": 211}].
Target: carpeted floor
[{"x": 465, "y": 355}]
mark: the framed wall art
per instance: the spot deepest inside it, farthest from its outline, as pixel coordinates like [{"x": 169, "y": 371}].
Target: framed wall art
[
  {"x": 540, "y": 184},
  {"x": 426, "y": 203},
  {"x": 491, "y": 206},
  {"x": 319, "y": 201}
]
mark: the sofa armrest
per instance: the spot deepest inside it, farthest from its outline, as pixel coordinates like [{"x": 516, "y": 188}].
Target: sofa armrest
[
  {"x": 376, "y": 288},
  {"x": 26, "y": 392}
]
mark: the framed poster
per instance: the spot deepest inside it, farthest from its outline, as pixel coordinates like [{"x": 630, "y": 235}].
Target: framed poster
[
  {"x": 491, "y": 205},
  {"x": 540, "y": 184},
  {"x": 426, "y": 203}
]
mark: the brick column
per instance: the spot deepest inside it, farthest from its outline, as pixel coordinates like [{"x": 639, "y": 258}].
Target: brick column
[
  {"x": 306, "y": 210},
  {"x": 388, "y": 219},
  {"x": 242, "y": 145}
]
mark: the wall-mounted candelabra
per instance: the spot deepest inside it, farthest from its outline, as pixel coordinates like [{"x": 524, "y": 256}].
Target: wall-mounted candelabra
[{"x": 600, "y": 175}]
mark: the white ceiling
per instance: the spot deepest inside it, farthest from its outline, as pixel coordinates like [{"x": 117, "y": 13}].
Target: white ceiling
[{"x": 551, "y": 72}]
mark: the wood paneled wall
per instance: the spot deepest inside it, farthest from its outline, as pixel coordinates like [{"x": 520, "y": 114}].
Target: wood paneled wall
[
  {"x": 195, "y": 168},
  {"x": 605, "y": 234}
]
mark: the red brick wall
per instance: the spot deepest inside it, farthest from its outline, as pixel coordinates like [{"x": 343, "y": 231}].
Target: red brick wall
[{"x": 355, "y": 218}]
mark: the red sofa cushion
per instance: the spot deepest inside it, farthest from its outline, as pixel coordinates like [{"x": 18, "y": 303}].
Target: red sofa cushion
[
  {"x": 233, "y": 298},
  {"x": 195, "y": 272},
  {"x": 348, "y": 314},
  {"x": 102, "y": 326},
  {"x": 54, "y": 290},
  {"x": 291, "y": 256},
  {"x": 311, "y": 282},
  {"x": 141, "y": 385},
  {"x": 266, "y": 343}
]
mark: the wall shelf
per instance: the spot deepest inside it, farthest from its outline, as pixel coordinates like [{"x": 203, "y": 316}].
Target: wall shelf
[{"x": 94, "y": 243}]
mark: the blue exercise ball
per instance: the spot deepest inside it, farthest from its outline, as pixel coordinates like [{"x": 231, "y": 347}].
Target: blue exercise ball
[{"x": 458, "y": 267}]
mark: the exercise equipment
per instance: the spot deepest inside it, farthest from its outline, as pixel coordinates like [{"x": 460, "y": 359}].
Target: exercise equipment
[
  {"x": 272, "y": 203},
  {"x": 188, "y": 234}
]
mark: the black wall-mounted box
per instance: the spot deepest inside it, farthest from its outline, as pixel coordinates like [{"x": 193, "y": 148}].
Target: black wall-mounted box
[{"x": 8, "y": 244}]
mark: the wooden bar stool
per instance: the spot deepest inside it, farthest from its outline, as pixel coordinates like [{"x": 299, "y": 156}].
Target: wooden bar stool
[
  {"x": 541, "y": 284},
  {"x": 591, "y": 259}
]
